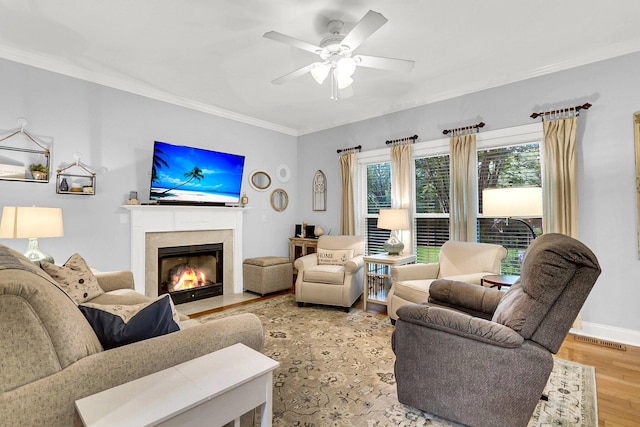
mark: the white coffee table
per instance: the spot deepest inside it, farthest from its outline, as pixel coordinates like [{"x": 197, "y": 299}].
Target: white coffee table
[{"x": 214, "y": 389}]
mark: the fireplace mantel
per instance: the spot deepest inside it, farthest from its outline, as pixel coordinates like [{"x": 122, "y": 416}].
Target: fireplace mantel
[{"x": 167, "y": 219}]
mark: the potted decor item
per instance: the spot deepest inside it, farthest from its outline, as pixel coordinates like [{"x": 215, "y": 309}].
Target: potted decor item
[{"x": 38, "y": 171}]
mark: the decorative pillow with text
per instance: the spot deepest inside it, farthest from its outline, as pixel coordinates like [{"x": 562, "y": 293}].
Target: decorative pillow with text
[
  {"x": 117, "y": 325},
  {"x": 75, "y": 278},
  {"x": 334, "y": 256}
]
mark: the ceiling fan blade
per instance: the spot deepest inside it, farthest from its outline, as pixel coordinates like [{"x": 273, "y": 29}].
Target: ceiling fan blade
[
  {"x": 294, "y": 74},
  {"x": 369, "y": 24},
  {"x": 384, "y": 63},
  {"x": 283, "y": 38}
]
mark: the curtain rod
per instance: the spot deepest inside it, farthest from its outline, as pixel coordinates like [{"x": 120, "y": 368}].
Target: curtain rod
[
  {"x": 476, "y": 126},
  {"x": 585, "y": 106},
  {"x": 356, "y": 148},
  {"x": 409, "y": 138}
]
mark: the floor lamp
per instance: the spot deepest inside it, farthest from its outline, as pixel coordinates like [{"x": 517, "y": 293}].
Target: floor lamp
[
  {"x": 513, "y": 203},
  {"x": 32, "y": 223}
]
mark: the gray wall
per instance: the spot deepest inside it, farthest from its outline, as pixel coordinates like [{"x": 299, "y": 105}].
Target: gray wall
[
  {"x": 607, "y": 199},
  {"x": 115, "y": 130}
]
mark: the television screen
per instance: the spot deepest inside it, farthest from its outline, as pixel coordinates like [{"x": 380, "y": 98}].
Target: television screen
[{"x": 189, "y": 175}]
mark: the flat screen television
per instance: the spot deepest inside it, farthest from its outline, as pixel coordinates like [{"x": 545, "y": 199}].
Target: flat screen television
[{"x": 189, "y": 175}]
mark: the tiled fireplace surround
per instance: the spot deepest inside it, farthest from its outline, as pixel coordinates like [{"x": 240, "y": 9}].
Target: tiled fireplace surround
[{"x": 153, "y": 227}]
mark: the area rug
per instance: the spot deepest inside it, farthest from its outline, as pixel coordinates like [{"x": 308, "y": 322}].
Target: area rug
[{"x": 336, "y": 369}]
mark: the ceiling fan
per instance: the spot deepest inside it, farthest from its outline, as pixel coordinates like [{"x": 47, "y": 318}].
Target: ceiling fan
[{"x": 336, "y": 52}]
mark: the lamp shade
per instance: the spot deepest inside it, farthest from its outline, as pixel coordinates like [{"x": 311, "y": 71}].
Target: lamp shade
[
  {"x": 393, "y": 219},
  {"x": 512, "y": 202},
  {"x": 31, "y": 222},
  {"x": 320, "y": 72}
]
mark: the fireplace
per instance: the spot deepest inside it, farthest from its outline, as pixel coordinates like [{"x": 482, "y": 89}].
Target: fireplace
[{"x": 189, "y": 273}]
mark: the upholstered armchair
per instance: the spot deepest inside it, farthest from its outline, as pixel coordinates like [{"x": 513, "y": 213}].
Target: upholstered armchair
[
  {"x": 333, "y": 275},
  {"x": 463, "y": 261},
  {"x": 489, "y": 367}
]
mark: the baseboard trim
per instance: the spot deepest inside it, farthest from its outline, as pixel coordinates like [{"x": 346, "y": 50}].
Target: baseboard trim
[{"x": 609, "y": 333}]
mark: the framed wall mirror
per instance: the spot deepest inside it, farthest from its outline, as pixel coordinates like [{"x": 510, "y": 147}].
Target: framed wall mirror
[
  {"x": 636, "y": 134},
  {"x": 279, "y": 200},
  {"x": 260, "y": 180}
]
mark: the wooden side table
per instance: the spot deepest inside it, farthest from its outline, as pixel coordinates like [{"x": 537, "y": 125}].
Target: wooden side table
[
  {"x": 301, "y": 246},
  {"x": 499, "y": 280},
  {"x": 377, "y": 276}
]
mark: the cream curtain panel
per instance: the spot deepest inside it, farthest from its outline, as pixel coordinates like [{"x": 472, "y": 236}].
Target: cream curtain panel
[
  {"x": 348, "y": 166},
  {"x": 463, "y": 195},
  {"x": 401, "y": 181},
  {"x": 560, "y": 179}
]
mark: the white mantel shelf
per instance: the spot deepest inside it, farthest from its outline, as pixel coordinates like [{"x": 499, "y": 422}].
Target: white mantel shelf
[{"x": 164, "y": 218}]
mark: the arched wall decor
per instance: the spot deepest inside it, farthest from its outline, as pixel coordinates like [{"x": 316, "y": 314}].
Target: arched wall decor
[{"x": 319, "y": 191}]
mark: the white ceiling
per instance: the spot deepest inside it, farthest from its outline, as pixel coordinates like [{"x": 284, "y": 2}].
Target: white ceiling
[{"x": 210, "y": 54}]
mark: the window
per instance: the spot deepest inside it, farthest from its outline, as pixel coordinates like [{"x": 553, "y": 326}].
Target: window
[
  {"x": 505, "y": 157},
  {"x": 378, "y": 191},
  {"x": 432, "y": 206},
  {"x": 512, "y": 166}
]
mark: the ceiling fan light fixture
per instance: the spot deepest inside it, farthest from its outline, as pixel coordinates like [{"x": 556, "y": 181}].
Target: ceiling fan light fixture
[
  {"x": 343, "y": 81},
  {"x": 320, "y": 72},
  {"x": 346, "y": 66}
]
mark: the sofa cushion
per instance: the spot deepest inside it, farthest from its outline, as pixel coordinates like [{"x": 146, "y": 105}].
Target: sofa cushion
[
  {"x": 117, "y": 325},
  {"x": 334, "y": 256},
  {"x": 328, "y": 274},
  {"x": 121, "y": 297},
  {"x": 75, "y": 278}
]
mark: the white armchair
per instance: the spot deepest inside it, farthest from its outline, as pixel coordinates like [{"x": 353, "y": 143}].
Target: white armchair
[
  {"x": 462, "y": 261},
  {"x": 333, "y": 275}
]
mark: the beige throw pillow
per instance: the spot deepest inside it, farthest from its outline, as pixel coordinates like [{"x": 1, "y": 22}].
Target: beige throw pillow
[
  {"x": 74, "y": 278},
  {"x": 334, "y": 256}
]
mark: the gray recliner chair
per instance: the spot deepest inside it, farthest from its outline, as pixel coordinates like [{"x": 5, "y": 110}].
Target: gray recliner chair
[{"x": 480, "y": 356}]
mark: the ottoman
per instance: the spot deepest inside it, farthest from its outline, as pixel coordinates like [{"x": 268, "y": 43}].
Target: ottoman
[{"x": 267, "y": 274}]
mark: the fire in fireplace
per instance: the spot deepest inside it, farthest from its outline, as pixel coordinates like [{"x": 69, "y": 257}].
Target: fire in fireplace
[{"x": 190, "y": 273}]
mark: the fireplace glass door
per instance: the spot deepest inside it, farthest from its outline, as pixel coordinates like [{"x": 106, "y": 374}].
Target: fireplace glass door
[{"x": 190, "y": 273}]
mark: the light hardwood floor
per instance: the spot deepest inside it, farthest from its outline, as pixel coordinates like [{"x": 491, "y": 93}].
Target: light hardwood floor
[
  {"x": 617, "y": 373},
  {"x": 617, "y": 379}
]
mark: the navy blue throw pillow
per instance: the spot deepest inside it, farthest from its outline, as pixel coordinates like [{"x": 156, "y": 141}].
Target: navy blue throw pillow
[{"x": 117, "y": 325}]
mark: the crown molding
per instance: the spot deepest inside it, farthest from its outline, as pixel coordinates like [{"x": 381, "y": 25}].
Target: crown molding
[{"x": 48, "y": 63}]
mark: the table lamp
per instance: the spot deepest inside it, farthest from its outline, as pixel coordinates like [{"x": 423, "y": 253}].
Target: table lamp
[
  {"x": 513, "y": 203},
  {"x": 393, "y": 219},
  {"x": 32, "y": 223}
]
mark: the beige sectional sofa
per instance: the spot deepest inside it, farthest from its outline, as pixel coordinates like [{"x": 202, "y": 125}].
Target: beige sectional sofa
[{"x": 50, "y": 355}]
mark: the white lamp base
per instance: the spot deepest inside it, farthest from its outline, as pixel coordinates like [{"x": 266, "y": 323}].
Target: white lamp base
[
  {"x": 394, "y": 246},
  {"x": 35, "y": 254}
]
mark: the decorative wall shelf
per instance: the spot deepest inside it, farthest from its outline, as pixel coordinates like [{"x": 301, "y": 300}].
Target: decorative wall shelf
[
  {"x": 81, "y": 182},
  {"x": 16, "y": 161}
]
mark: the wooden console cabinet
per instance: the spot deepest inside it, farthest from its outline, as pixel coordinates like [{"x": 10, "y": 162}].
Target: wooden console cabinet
[{"x": 301, "y": 246}]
